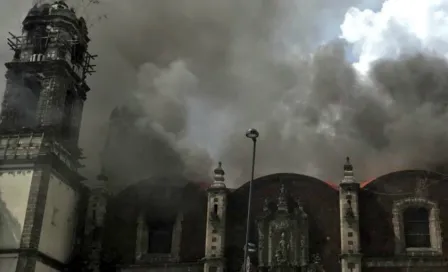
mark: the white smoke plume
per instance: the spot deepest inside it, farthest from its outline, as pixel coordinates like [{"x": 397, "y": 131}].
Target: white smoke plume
[{"x": 198, "y": 73}]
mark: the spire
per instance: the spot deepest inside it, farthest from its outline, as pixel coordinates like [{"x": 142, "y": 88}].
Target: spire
[
  {"x": 348, "y": 171},
  {"x": 282, "y": 205},
  {"x": 218, "y": 177},
  {"x": 348, "y": 167}
]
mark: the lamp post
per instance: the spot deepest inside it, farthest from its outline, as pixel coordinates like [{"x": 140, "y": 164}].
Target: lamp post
[{"x": 253, "y": 135}]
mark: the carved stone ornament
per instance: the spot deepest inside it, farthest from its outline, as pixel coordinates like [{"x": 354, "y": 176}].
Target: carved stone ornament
[
  {"x": 422, "y": 186},
  {"x": 316, "y": 265},
  {"x": 283, "y": 250},
  {"x": 283, "y": 235},
  {"x": 250, "y": 267}
]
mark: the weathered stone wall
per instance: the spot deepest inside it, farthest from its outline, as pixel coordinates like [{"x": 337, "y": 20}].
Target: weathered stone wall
[
  {"x": 378, "y": 221},
  {"x": 319, "y": 200},
  {"x": 160, "y": 201}
]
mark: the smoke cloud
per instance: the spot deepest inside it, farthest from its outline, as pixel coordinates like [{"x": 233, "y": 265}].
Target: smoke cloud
[{"x": 190, "y": 77}]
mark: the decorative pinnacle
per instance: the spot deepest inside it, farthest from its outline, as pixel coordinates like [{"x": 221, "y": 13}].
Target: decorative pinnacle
[
  {"x": 266, "y": 205},
  {"x": 348, "y": 168},
  {"x": 348, "y": 172},
  {"x": 219, "y": 173},
  {"x": 282, "y": 205}
]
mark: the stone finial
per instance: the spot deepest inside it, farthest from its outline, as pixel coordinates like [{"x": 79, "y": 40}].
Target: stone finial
[
  {"x": 282, "y": 205},
  {"x": 266, "y": 205},
  {"x": 348, "y": 171},
  {"x": 219, "y": 173},
  {"x": 348, "y": 167},
  {"x": 218, "y": 177}
]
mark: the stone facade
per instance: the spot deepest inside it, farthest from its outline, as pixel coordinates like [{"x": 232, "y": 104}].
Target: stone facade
[
  {"x": 131, "y": 214},
  {"x": 299, "y": 224},
  {"x": 387, "y": 198}
]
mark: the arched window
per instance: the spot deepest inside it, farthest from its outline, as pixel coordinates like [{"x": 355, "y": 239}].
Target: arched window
[
  {"x": 160, "y": 235},
  {"x": 416, "y": 227}
]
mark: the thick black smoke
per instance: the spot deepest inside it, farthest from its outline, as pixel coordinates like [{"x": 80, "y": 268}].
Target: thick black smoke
[{"x": 191, "y": 76}]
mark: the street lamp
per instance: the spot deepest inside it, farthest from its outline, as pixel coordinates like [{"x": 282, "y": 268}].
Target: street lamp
[{"x": 253, "y": 135}]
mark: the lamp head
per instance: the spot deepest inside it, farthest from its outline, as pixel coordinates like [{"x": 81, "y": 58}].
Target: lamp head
[{"x": 252, "y": 134}]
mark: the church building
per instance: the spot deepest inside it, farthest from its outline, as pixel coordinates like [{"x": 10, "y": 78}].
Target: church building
[
  {"x": 52, "y": 219},
  {"x": 298, "y": 223}
]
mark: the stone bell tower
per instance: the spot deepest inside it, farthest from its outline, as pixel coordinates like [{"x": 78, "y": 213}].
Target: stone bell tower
[
  {"x": 40, "y": 118},
  {"x": 216, "y": 223},
  {"x": 349, "y": 215}
]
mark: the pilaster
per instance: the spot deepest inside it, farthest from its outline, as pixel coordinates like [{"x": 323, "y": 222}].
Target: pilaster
[
  {"x": 94, "y": 231},
  {"x": 33, "y": 218}
]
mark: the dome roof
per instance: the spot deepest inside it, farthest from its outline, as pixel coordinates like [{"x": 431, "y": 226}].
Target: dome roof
[
  {"x": 289, "y": 177},
  {"x": 399, "y": 174}
]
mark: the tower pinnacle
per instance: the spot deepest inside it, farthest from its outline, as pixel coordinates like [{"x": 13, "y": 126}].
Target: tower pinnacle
[
  {"x": 282, "y": 205},
  {"x": 218, "y": 177},
  {"x": 348, "y": 172}
]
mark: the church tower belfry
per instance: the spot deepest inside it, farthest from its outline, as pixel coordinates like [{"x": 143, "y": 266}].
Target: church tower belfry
[
  {"x": 349, "y": 221},
  {"x": 46, "y": 79},
  {"x": 40, "y": 121},
  {"x": 216, "y": 223}
]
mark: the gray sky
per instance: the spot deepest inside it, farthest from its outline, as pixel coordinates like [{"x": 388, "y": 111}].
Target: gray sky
[{"x": 201, "y": 72}]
